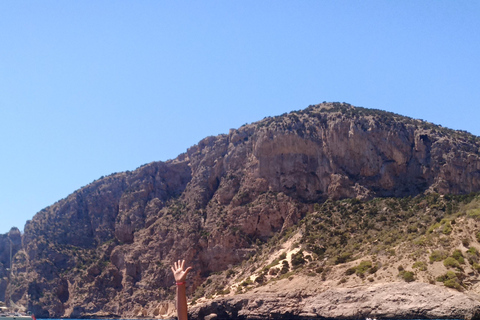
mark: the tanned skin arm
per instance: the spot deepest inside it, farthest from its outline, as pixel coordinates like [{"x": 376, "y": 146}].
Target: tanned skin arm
[{"x": 180, "y": 274}]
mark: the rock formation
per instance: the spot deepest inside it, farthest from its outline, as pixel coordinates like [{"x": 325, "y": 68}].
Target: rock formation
[
  {"x": 105, "y": 249},
  {"x": 385, "y": 301},
  {"x": 10, "y": 244}
]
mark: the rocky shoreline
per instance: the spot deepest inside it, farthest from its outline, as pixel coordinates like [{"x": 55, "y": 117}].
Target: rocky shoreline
[{"x": 391, "y": 300}]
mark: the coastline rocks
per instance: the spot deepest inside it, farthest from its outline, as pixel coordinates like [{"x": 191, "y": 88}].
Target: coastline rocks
[{"x": 391, "y": 300}]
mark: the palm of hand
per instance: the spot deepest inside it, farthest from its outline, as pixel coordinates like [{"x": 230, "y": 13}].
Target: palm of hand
[{"x": 178, "y": 271}]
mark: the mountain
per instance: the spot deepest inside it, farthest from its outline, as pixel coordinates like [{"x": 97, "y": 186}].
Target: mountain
[{"x": 320, "y": 190}]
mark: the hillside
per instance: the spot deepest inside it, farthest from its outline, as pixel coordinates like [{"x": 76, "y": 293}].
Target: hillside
[
  {"x": 352, "y": 197},
  {"x": 384, "y": 258}
]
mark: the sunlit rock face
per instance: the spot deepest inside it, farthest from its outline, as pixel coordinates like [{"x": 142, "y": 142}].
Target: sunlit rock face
[
  {"x": 105, "y": 249},
  {"x": 388, "y": 301}
]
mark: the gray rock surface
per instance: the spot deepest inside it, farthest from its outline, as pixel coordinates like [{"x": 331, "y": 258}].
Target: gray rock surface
[{"x": 391, "y": 300}]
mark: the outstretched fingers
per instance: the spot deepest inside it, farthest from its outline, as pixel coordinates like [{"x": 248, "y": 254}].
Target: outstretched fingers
[
  {"x": 179, "y": 271},
  {"x": 187, "y": 270}
]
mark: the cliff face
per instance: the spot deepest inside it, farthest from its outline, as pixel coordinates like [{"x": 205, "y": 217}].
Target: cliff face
[
  {"x": 106, "y": 248},
  {"x": 10, "y": 244}
]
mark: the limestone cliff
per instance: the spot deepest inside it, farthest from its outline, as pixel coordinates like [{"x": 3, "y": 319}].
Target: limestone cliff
[{"x": 105, "y": 249}]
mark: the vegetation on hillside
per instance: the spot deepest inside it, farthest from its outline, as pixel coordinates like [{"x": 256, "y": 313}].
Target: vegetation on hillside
[{"x": 364, "y": 238}]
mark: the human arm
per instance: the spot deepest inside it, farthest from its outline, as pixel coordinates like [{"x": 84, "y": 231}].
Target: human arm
[{"x": 180, "y": 275}]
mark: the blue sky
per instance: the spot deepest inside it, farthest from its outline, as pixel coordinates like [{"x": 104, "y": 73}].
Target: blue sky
[{"x": 88, "y": 88}]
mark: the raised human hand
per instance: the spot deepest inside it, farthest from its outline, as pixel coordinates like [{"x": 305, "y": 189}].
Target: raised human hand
[{"x": 179, "y": 272}]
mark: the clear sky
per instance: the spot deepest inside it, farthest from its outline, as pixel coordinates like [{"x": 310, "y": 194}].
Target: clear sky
[{"x": 88, "y": 88}]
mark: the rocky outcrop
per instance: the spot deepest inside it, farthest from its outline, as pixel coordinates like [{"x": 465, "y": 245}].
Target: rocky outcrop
[
  {"x": 10, "y": 244},
  {"x": 105, "y": 248},
  {"x": 11, "y": 240},
  {"x": 386, "y": 301}
]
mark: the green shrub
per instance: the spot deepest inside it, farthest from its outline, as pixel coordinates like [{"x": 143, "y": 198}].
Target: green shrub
[
  {"x": 453, "y": 283},
  {"x": 438, "y": 255},
  {"x": 472, "y": 251},
  {"x": 246, "y": 282},
  {"x": 350, "y": 271},
  {"x": 420, "y": 265},
  {"x": 407, "y": 276},
  {"x": 287, "y": 275},
  {"x": 260, "y": 279},
  {"x": 272, "y": 264},
  {"x": 457, "y": 255},
  {"x": 298, "y": 259},
  {"x": 474, "y": 213},
  {"x": 420, "y": 241},
  {"x": 476, "y": 266},
  {"x": 316, "y": 249},
  {"x": 446, "y": 276},
  {"x": 447, "y": 228},
  {"x": 451, "y": 262},
  {"x": 451, "y": 280},
  {"x": 285, "y": 267},
  {"x": 412, "y": 228},
  {"x": 343, "y": 257},
  {"x": 363, "y": 267},
  {"x": 223, "y": 292},
  {"x": 432, "y": 228}
]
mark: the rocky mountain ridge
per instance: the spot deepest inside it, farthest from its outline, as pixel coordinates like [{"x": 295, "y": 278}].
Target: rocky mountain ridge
[{"x": 105, "y": 249}]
